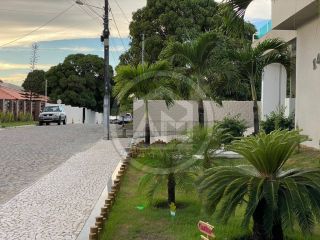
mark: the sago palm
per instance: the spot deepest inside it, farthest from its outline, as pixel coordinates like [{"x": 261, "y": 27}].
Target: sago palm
[
  {"x": 146, "y": 82},
  {"x": 275, "y": 198},
  {"x": 194, "y": 57},
  {"x": 166, "y": 168},
  {"x": 206, "y": 141}
]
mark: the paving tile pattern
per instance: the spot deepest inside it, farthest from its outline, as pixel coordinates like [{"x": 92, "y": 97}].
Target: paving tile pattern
[
  {"x": 57, "y": 206},
  {"x": 28, "y": 153}
]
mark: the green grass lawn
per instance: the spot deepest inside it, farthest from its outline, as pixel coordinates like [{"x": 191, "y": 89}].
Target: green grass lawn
[
  {"x": 128, "y": 222},
  {"x": 16, "y": 124}
]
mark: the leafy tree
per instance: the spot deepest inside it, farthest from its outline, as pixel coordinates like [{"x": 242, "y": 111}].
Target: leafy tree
[
  {"x": 166, "y": 168},
  {"x": 34, "y": 84},
  {"x": 275, "y": 198},
  {"x": 146, "y": 82},
  {"x": 79, "y": 81},
  {"x": 163, "y": 21}
]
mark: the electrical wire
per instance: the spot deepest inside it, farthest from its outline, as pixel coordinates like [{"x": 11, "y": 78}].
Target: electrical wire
[
  {"x": 114, "y": 21},
  {"x": 123, "y": 13},
  {"x": 38, "y": 28}
]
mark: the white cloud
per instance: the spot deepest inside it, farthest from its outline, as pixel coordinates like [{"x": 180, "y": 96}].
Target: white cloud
[
  {"x": 117, "y": 49},
  {"x": 16, "y": 79},
  {"x": 4, "y": 66},
  {"x": 25, "y": 16}
]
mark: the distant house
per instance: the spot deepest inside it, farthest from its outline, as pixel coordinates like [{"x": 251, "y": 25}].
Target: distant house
[{"x": 14, "y": 99}]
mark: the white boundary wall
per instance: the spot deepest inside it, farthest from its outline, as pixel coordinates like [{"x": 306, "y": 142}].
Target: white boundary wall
[
  {"x": 75, "y": 115},
  {"x": 183, "y": 115}
]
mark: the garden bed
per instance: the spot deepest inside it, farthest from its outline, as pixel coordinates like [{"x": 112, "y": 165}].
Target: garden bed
[{"x": 133, "y": 218}]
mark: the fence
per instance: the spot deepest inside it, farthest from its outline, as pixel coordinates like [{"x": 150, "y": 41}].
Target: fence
[
  {"x": 183, "y": 115},
  {"x": 76, "y": 115}
]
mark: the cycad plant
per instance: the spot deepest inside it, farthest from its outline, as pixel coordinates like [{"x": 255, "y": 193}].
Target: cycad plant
[
  {"x": 168, "y": 168},
  {"x": 205, "y": 141},
  {"x": 273, "y": 197}
]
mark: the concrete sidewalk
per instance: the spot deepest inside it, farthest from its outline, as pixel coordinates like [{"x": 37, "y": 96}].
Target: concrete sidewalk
[{"x": 58, "y": 205}]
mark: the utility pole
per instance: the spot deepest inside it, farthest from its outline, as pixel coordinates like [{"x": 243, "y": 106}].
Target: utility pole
[
  {"x": 46, "y": 90},
  {"x": 106, "y": 101},
  {"x": 143, "y": 48}
]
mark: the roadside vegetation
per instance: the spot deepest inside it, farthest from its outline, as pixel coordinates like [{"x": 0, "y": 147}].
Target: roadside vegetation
[
  {"x": 222, "y": 194},
  {"x": 9, "y": 120},
  {"x": 271, "y": 192}
]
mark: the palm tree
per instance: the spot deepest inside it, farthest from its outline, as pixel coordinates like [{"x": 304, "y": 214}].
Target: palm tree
[
  {"x": 144, "y": 82},
  {"x": 169, "y": 167},
  {"x": 252, "y": 60},
  {"x": 195, "y": 58},
  {"x": 275, "y": 198}
]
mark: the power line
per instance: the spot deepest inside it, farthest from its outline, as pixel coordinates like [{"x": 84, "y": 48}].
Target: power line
[
  {"x": 123, "y": 13},
  {"x": 114, "y": 20},
  {"x": 38, "y": 28}
]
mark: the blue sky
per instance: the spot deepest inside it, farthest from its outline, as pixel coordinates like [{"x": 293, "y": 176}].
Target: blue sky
[{"x": 75, "y": 31}]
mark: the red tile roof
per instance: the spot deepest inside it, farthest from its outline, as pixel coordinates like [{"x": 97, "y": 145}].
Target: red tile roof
[{"x": 13, "y": 94}]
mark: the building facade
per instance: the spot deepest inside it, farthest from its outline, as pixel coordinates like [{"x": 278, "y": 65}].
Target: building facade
[
  {"x": 298, "y": 23},
  {"x": 15, "y": 100}
]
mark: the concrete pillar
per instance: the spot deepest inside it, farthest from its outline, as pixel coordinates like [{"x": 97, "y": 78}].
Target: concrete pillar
[
  {"x": 16, "y": 108},
  {"x": 274, "y": 89},
  {"x": 2, "y": 105},
  {"x": 37, "y": 110},
  {"x": 11, "y": 106},
  {"x": 24, "y": 106}
]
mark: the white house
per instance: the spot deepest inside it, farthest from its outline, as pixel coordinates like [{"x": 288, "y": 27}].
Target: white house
[{"x": 298, "y": 23}]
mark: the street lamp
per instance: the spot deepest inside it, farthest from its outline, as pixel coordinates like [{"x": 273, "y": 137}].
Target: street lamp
[{"x": 105, "y": 39}]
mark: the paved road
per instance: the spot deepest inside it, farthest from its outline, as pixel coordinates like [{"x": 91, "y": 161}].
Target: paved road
[{"x": 27, "y": 154}]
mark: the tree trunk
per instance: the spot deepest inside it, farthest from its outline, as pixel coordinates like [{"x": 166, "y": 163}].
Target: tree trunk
[
  {"x": 171, "y": 189},
  {"x": 255, "y": 117},
  {"x": 147, "y": 127},
  {"x": 255, "y": 105},
  {"x": 277, "y": 232},
  {"x": 258, "y": 223},
  {"x": 201, "y": 113},
  {"x": 259, "y": 232}
]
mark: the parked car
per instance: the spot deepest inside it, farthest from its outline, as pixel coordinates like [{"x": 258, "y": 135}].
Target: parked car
[
  {"x": 125, "y": 119},
  {"x": 53, "y": 113}
]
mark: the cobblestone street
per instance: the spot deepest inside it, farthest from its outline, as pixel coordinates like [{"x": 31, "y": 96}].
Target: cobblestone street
[
  {"x": 51, "y": 179},
  {"x": 28, "y": 153}
]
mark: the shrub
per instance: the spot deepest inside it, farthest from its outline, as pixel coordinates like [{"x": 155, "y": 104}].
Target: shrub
[
  {"x": 25, "y": 117},
  {"x": 234, "y": 126},
  {"x": 6, "y": 117},
  {"x": 277, "y": 120}
]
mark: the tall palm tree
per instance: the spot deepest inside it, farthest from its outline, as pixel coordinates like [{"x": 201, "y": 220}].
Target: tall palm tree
[
  {"x": 275, "y": 198},
  {"x": 146, "y": 82},
  {"x": 251, "y": 60},
  {"x": 194, "y": 57}
]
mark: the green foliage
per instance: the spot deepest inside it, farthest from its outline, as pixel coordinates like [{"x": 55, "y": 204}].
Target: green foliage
[
  {"x": 235, "y": 127},
  {"x": 277, "y": 120},
  {"x": 25, "y": 117},
  {"x": 205, "y": 141},
  {"x": 164, "y": 21},
  {"x": 159, "y": 164},
  {"x": 35, "y": 82},
  {"x": 79, "y": 81},
  {"x": 272, "y": 196},
  {"x": 6, "y": 117}
]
